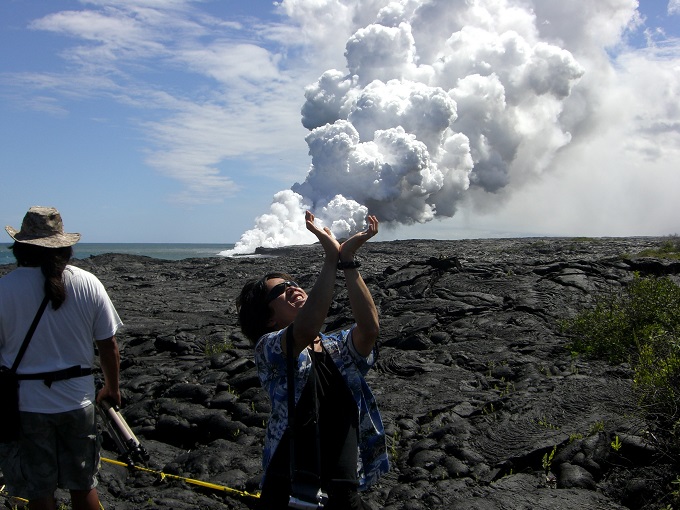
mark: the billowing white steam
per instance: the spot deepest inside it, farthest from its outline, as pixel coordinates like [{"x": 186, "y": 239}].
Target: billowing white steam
[{"x": 438, "y": 96}]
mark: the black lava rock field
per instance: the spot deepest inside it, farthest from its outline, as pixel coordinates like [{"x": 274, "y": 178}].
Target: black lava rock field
[{"x": 485, "y": 407}]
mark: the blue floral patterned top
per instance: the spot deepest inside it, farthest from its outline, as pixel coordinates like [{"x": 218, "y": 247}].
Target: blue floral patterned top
[{"x": 271, "y": 367}]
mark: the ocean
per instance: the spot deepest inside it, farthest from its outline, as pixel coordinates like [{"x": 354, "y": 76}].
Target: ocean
[{"x": 170, "y": 251}]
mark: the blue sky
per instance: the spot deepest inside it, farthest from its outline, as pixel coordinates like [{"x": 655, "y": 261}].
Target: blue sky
[{"x": 180, "y": 120}]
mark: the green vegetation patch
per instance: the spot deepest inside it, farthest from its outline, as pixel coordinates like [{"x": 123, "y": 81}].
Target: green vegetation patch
[
  {"x": 640, "y": 326},
  {"x": 622, "y": 327},
  {"x": 669, "y": 249}
]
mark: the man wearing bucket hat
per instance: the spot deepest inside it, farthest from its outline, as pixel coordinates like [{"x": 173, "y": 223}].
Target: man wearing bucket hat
[{"x": 58, "y": 445}]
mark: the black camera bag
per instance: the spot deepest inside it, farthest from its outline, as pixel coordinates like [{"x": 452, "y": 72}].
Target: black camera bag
[{"x": 10, "y": 428}]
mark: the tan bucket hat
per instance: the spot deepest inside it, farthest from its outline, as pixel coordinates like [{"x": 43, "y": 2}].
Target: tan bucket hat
[{"x": 42, "y": 226}]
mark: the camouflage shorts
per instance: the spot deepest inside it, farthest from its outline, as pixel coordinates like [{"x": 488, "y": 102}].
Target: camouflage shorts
[{"x": 33, "y": 469}]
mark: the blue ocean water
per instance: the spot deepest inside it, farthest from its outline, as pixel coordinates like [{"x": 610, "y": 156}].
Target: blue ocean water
[{"x": 170, "y": 251}]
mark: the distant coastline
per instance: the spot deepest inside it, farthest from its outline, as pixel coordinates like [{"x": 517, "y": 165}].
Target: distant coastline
[
  {"x": 180, "y": 251},
  {"x": 166, "y": 251}
]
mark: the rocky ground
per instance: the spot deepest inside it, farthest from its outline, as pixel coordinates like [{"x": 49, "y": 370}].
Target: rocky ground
[{"x": 484, "y": 405}]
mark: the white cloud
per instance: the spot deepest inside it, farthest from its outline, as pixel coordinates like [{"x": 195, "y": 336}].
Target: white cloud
[
  {"x": 214, "y": 87},
  {"x": 542, "y": 119},
  {"x": 233, "y": 64},
  {"x": 502, "y": 91},
  {"x": 619, "y": 175},
  {"x": 508, "y": 112},
  {"x": 673, "y": 7}
]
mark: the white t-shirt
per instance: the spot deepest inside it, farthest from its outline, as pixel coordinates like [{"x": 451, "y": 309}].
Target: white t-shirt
[{"x": 63, "y": 338}]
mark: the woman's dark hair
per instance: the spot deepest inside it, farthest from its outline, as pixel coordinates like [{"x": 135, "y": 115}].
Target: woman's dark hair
[
  {"x": 51, "y": 262},
  {"x": 253, "y": 311}
]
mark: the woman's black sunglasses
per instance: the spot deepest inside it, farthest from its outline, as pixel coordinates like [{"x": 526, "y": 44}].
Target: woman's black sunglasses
[{"x": 279, "y": 289}]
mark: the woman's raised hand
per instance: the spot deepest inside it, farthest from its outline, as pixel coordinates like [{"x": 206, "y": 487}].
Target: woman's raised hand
[
  {"x": 325, "y": 236},
  {"x": 349, "y": 247}
]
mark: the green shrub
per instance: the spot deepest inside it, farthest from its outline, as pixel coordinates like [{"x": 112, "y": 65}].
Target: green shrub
[
  {"x": 657, "y": 380},
  {"x": 669, "y": 249},
  {"x": 619, "y": 326},
  {"x": 640, "y": 326},
  {"x": 599, "y": 332},
  {"x": 213, "y": 346}
]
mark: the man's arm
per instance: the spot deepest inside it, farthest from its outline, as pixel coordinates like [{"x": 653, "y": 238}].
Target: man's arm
[{"x": 109, "y": 359}]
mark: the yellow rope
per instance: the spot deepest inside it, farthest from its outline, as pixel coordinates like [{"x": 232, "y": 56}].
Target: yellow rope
[
  {"x": 188, "y": 480},
  {"x": 163, "y": 476},
  {"x": 3, "y": 492}
]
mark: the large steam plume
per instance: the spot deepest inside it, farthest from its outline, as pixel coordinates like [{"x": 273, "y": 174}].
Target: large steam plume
[{"x": 437, "y": 97}]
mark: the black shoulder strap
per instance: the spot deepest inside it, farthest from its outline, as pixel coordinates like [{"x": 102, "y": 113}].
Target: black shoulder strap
[
  {"x": 291, "y": 396},
  {"x": 29, "y": 334},
  {"x": 292, "y": 362}
]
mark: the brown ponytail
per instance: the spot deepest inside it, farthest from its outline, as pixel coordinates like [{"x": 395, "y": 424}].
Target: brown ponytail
[{"x": 51, "y": 262}]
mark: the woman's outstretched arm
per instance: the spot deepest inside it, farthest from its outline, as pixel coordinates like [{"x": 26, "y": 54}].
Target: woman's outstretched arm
[
  {"x": 363, "y": 308},
  {"x": 312, "y": 315}
]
